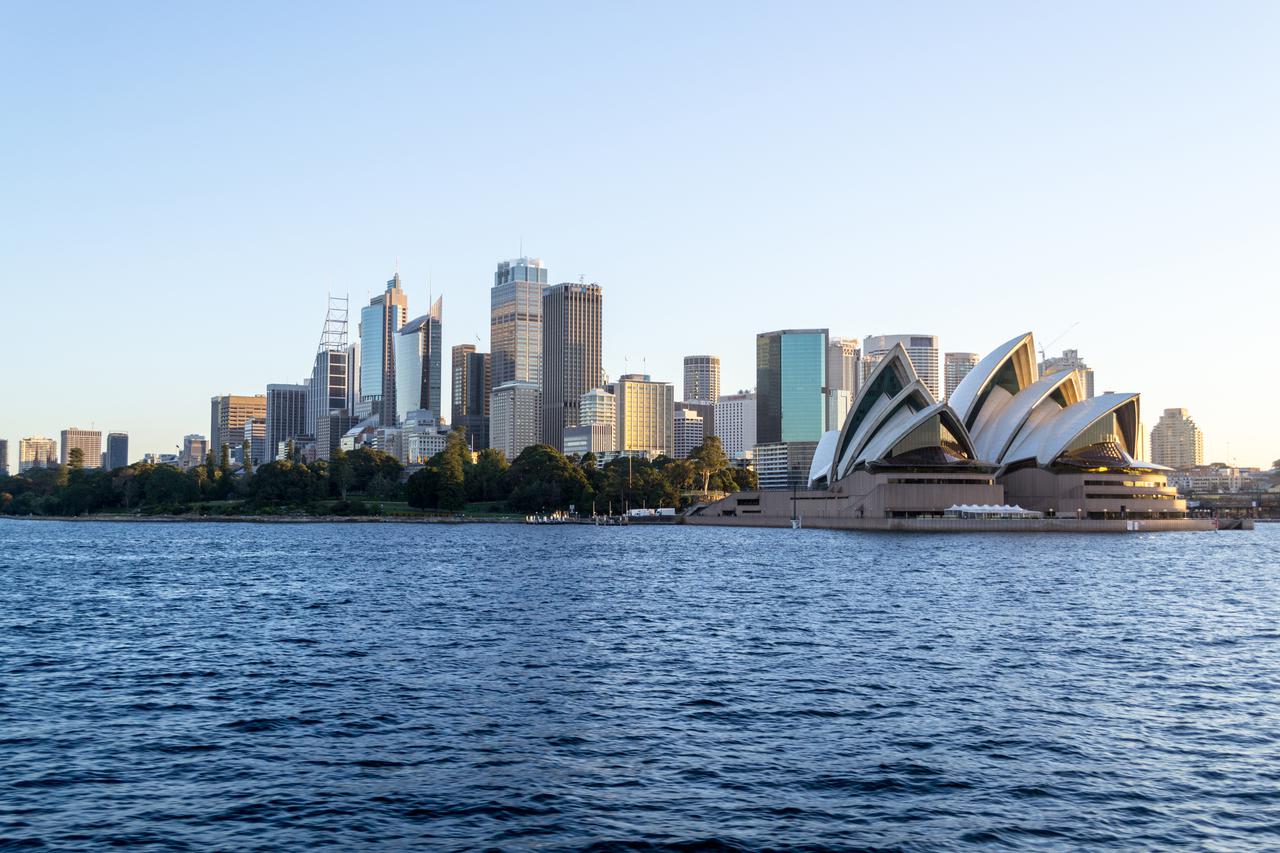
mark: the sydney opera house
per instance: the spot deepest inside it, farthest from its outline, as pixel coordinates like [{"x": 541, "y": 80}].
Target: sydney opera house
[{"x": 1007, "y": 439}]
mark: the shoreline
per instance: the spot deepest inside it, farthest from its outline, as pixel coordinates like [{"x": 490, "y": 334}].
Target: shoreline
[{"x": 266, "y": 519}]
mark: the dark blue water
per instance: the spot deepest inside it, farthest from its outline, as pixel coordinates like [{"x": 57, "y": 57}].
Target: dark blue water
[{"x": 378, "y": 686}]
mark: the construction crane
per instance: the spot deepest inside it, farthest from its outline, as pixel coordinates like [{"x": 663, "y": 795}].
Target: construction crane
[{"x": 1043, "y": 357}]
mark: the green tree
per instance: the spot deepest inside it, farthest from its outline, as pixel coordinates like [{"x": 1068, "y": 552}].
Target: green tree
[
  {"x": 367, "y": 463},
  {"x": 224, "y": 462},
  {"x": 453, "y": 462},
  {"x": 285, "y": 482},
  {"x": 484, "y": 478},
  {"x": 75, "y": 459},
  {"x": 340, "y": 474},
  {"x": 423, "y": 487},
  {"x": 542, "y": 478},
  {"x": 166, "y": 486},
  {"x": 246, "y": 454},
  {"x": 708, "y": 459}
]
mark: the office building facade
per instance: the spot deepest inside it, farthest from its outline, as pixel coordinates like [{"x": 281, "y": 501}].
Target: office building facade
[
  {"x": 285, "y": 419},
  {"x": 646, "y": 415},
  {"x": 515, "y": 321},
  {"x": 380, "y": 322},
  {"x": 88, "y": 441},
  {"x": 472, "y": 384},
  {"x": 4, "y": 457},
  {"x": 418, "y": 364},
  {"x": 515, "y": 412},
  {"x": 571, "y": 357},
  {"x": 791, "y": 385},
  {"x": 194, "y": 450},
  {"x": 228, "y": 414},
  {"x": 117, "y": 453},
  {"x": 736, "y": 423},
  {"x": 956, "y": 366},
  {"x": 1176, "y": 441},
  {"x": 588, "y": 438},
  {"x": 37, "y": 452},
  {"x": 687, "y": 432},
  {"x": 921, "y": 349},
  {"x": 702, "y": 378}
]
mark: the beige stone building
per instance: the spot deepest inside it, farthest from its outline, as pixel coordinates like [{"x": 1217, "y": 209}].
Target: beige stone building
[{"x": 1176, "y": 441}]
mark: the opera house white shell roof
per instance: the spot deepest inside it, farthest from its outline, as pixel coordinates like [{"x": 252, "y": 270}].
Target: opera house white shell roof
[{"x": 1002, "y": 414}]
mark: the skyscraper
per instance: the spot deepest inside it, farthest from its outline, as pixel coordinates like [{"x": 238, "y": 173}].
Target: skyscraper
[
  {"x": 418, "y": 357},
  {"x": 227, "y": 416},
  {"x": 922, "y": 350},
  {"x": 472, "y": 383},
  {"x": 686, "y": 432},
  {"x": 4, "y": 457},
  {"x": 36, "y": 452},
  {"x": 736, "y": 422},
  {"x": 285, "y": 419},
  {"x": 571, "y": 324},
  {"x": 329, "y": 378},
  {"x": 791, "y": 384},
  {"x": 646, "y": 415},
  {"x": 255, "y": 433},
  {"x": 89, "y": 442},
  {"x": 380, "y": 320},
  {"x": 194, "y": 449},
  {"x": 514, "y": 415},
  {"x": 843, "y": 355},
  {"x": 117, "y": 450},
  {"x": 1176, "y": 441},
  {"x": 957, "y": 367},
  {"x": 1070, "y": 360},
  {"x": 701, "y": 378},
  {"x": 515, "y": 321}
]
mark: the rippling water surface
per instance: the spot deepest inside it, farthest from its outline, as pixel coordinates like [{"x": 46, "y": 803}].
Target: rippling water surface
[{"x": 385, "y": 686}]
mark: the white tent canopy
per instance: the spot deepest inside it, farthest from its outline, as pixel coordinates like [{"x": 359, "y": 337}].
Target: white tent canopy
[{"x": 990, "y": 511}]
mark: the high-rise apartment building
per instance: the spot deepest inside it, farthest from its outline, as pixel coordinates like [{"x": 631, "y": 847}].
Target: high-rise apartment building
[
  {"x": 4, "y": 457},
  {"x": 646, "y": 415},
  {"x": 571, "y": 360},
  {"x": 705, "y": 410},
  {"x": 598, "y": 409},
  {"x": 254, "y": 433},
  {"x": 472, "y": 384},
  {"x": 515, "y": 321},
  {"x": 843, "y": 355},
  {"x": 36, "y": 452},
  {"x": 922, "y": 350},
  {"x": 418, "y": 365},
  {"x": 702, "y": 378},
  {"x": 736, "y": 422},
  {"x": 329, "y": 377},
  {"x": 117, "y": 455},
  {"x": 515, "y": 409},
  {"x": 1070, "y": 360},
  {"x": 89, "y": 441},
  {"x": 791, "y": 385},
  {"x": 380, "y": 321},
  {"x": 686, "y": 432},
  {"x": 228, "y": 414},
  {"x": 285, "y": 419},
  {"x": 194, "y": 450},
  {"x": 1176, "y": 441},
  {"x": 956, "y": 367}
]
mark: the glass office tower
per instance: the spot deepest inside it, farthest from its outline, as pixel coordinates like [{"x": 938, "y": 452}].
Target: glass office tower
[{"x": 791, "y": 385}]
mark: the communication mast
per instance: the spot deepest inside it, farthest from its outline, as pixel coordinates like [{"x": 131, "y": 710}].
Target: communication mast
[{"x": 334, "y": 336}]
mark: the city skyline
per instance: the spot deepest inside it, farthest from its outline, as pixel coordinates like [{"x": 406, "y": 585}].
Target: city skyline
[{"x": 1130, "y": 170}]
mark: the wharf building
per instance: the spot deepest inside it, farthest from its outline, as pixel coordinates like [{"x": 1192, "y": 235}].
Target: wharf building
[
  {"x": 285, "y": 421},
  {"x": 227, "y": 416},
  {"x": 791, "y": 404},
  {"x": 1176, "y": 441},
  {"x": 418, "y": 353},
  {"x": 37, "y": 452},
  {"x": 117, "y": 452},
  {"x": 515, "y": 412},
  {"x": 471, "y": 388},
  {"x": 380, "y": 321},
  {"x": 922, "y": 350},
  {"x": 571, "y": 354},
  {"x": 735, "y": 423},
  {"x": 646, "y": 415},
  {"x": 956, "y": 366},
  {"x": 87, "y": 441},
  {"x": 701, "y": 378},
  {"x": 1070, "y": 360},
  {"x": 1007, "y": 436}
]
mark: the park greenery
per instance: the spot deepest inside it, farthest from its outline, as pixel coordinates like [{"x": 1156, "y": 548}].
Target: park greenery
[{"x": 370, "y": 482}]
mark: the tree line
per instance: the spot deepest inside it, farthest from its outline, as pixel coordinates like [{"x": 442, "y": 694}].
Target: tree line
[{"x": 540, "y": 479}]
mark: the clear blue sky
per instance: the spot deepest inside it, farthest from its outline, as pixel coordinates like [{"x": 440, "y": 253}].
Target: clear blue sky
[{"x": 183, "y": 183}]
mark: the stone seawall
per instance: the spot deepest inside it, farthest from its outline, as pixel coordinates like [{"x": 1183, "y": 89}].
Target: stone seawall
[{"x": 966, "y": 525}]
